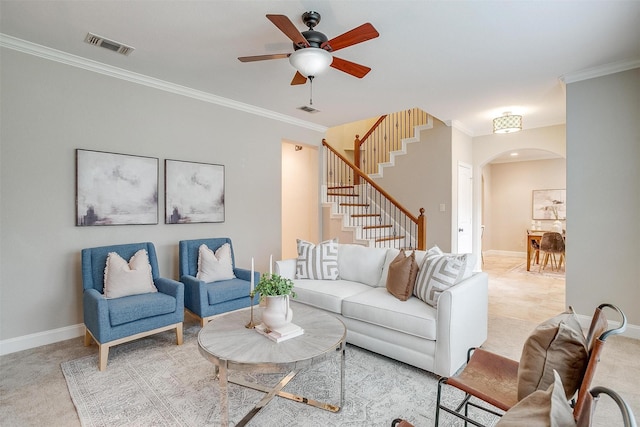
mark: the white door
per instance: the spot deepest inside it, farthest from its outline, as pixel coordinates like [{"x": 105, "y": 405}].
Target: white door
[{"x": 465, "y": 208}]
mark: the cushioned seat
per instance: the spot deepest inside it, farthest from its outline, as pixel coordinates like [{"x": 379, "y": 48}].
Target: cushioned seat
[
  {"x": 328, "y": 294},
  {"x": 379, "y": 307},
  {"x": 227, "y": 290},
  {"x": 135, "y": 307}
]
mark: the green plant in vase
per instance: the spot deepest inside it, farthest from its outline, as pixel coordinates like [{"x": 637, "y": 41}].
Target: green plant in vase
[{"x": 274, "y": 285}]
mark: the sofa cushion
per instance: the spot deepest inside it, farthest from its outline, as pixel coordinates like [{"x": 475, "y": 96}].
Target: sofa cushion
[
  {"x": 317, "y": 262},
  {"x": 360, "y": 263},
  {"x": 402, "y": 275},
  {"x": 379, "y": 307},
  {"x": 390, "y": 256},
  {"x": 556, "y": 344},
  {"x": 122, "y": 278},
  {"x": 437, "y": 274},
  {"x": 215, "y": 266},
  {"x": 326, "y": 294},
  {"x": 135, "y": 307}
]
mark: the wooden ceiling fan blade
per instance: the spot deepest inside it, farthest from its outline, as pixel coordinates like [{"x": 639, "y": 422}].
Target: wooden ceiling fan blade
[
  {"x": 349, "y": 67},
  {"x": 298, "y": 79},
  {"x": 358, "y": 35},
  {"x": 263, "y": 57},
  {"x": 285, "y": 25}
]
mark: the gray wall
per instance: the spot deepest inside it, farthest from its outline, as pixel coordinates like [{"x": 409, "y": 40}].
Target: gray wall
[
  {"x": 48, "y": 110},
  {"x": 603, "y": 193}
]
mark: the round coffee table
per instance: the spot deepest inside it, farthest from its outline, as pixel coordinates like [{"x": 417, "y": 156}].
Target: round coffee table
[{"x": 231, "y": 347}]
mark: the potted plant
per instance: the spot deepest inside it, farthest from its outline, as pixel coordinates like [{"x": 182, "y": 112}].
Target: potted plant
[
  {"x": 271, "y": 285},
  {"x": 275, "y": 290}
]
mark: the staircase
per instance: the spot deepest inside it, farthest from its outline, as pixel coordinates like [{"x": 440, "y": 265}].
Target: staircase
[
  {"x": 364, "y": 210},
  {"x": 367, "y": 220}
]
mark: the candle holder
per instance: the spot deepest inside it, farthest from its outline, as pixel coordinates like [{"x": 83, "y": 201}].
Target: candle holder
[{"x": 251, "y": 325}]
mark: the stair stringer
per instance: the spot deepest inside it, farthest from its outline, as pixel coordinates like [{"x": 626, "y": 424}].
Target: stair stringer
[{"x": 405, "y": 141}]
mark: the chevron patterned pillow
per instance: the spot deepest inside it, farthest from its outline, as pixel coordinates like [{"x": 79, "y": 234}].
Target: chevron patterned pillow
[
  {"x": 438, "y": 273},
  {"x": 317, "y": 262}
]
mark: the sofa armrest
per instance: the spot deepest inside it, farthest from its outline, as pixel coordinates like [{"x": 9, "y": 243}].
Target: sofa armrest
[
  {"x": 194, "y": 293},
  {"x": 244, "y": 274},
  {"x": 462, "y": 322},
  {"x": 96, "y": 312},
  {"x": 286, "y": 268},
  {"x": 173, "y": 288}
]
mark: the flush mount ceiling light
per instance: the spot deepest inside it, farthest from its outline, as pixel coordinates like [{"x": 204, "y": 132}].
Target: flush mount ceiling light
[
  {"x": 507, "y": 123},
  {"x": 310, "y": 61}
]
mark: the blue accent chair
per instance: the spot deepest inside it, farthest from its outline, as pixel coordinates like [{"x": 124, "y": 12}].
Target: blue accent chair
[
  {"x": 206, "y": 300},
  {"x": 115, "y": 321}
]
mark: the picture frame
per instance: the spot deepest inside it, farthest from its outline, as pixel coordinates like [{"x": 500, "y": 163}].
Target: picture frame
[
  {"x": 194, "y": 192},
  {"x": 115, "y": 189},
  {"x": 549, "y": 204}
]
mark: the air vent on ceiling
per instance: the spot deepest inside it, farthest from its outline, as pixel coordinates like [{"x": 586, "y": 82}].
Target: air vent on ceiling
[
  {"x": 308, "y": 109},
  {"x": 108, "y": 44}
]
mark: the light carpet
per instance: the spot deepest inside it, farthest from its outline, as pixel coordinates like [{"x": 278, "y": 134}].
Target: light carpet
[{"x": 153, "y": 382}]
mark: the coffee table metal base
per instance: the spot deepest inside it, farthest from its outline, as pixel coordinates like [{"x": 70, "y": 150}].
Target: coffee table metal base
[{"x": 271, "y": 392}]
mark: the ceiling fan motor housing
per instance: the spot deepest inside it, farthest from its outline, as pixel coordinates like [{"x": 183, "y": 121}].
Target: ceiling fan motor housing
[{"x": 315, "y": 39}]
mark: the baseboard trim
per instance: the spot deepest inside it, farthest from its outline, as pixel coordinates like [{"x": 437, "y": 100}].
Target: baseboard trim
[
  {"x": 38, "y": 339},
  {"x": 632, "y": 331},
  {"x": 506, "y": 253}
]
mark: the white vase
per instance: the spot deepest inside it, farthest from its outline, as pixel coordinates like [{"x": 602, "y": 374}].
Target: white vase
[
  {"x": 277, "y": 312},
  {"x": 557, "y": 226}
]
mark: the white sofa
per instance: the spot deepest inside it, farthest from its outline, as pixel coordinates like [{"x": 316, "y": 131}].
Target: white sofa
[{"x": 433, "y": 339}]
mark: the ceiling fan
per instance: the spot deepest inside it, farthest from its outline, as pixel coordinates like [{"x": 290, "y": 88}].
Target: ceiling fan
[{"x": 312, "y": 49}]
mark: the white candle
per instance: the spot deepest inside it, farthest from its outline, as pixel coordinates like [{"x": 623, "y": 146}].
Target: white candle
[
  {"x": 252, "y": 284},
  {"x": 270, "y": 265}
]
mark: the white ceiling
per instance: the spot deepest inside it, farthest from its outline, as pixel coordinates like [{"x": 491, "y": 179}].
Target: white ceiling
[{"x": 464, "y": 62}]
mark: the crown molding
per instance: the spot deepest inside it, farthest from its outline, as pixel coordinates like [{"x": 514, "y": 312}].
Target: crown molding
[
  {"x": 457, "y": 124},
  {"x": 599, "y": 71},
  {"x": 48, "y": 53}
]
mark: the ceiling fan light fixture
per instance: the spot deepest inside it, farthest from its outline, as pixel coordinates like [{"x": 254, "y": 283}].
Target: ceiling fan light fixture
[
  {"x": 507, "y": 123},
  {"x": 310, "y": 61}
]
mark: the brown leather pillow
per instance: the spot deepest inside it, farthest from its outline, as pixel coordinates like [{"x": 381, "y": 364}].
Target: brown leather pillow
[
  {"x": 559, "y": 344},
  {"x": 402, "y": 275}
]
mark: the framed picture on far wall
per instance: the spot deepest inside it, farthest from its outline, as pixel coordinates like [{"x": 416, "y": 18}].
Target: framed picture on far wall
[
  {"x": 194, "y": 192},
  {"x": 549, "y": 204},
  {"x": 115, "y": 189}
]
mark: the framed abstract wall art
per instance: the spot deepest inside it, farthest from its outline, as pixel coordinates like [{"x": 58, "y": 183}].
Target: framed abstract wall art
[
  {"x": 194, "y": 192},
  {"x": 550, "y": 204},
  {"x": 115, "y": 189}
]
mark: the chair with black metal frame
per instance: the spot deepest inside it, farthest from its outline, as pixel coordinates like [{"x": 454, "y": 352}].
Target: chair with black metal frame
[{"x": 493, "y": 379}]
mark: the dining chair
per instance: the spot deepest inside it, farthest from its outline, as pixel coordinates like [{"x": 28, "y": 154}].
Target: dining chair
[{"x": 552, "y": 244}]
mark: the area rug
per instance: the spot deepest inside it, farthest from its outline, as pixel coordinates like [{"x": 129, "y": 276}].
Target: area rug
[{"x": 153, "y": 382}]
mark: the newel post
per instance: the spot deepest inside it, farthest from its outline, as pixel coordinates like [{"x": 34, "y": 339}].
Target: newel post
[
  {"x": 422, "y": 231},
  {"x": 356, "y": 158}
]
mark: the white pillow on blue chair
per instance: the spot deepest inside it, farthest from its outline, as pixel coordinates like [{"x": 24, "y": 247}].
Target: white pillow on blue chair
[
  {"x": 122, "y": 278},
  {"x": 213, "y": 267}
]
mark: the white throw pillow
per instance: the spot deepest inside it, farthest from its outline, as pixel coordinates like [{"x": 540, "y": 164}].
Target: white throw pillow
[
  {"x": 317, "y": 262},
  {"x": 214, "y": 267},
  {"x": 361, "y": 264},
  {"x": 122, "y": 278},
  {"x": 438, "y": 273}
]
